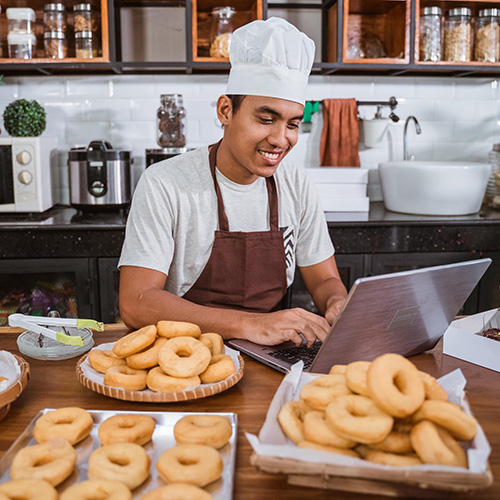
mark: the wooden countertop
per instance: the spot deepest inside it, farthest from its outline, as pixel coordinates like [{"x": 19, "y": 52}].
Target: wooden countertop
[{"x": 54, "y": 384}]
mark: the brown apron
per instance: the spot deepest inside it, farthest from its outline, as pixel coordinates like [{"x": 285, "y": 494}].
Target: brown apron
[{"x": 245, "y": 270}]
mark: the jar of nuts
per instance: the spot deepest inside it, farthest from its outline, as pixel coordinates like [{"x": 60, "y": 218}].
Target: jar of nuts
[
  {"x": 84, "y": 17},
  {"x": 54, "y": 17},
  {"x": 86, "y": 44},
  {"x": 458, "y": 35},
  {"x": 55, "y": 44},
  {"x": 487, "y": 36},
  {"x": 221, "y": 30},
  {"x": 170, "y": 122}
]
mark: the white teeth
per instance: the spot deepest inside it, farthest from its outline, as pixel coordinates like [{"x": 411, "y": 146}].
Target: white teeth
[{"x": 271, "y": 156}]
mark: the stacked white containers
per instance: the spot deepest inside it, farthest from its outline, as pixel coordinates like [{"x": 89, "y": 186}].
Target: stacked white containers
[{"x": 21, "y": 39}]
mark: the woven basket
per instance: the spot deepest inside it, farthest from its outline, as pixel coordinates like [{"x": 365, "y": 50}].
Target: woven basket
[{"x": 13, "y": 392}]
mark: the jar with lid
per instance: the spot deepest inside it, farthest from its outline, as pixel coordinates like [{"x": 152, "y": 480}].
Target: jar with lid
[
  {"x": 84, "y": 17},
  {"x": 54, "y": 17},
  {"x": 430, "y": 34},
  {"x": 86, "y": 44},
  {"x": 487, "y": 36},
  {"x": 221, "y": 30},
  {"x": 20, "y": 20},
  {"x": 493, "y": 188},
  {"x": 55, "y": 44},
  {"x": 458, "y": 35},
  {"x": 21, "y": 45},
  {"x": 170, "y": 122}
]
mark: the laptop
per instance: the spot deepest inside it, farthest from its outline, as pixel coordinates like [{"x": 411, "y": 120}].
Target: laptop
[{"x": 405, "y": 312}]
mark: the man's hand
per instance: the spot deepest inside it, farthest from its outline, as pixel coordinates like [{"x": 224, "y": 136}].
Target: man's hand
[{"x": 333, "y": 308}]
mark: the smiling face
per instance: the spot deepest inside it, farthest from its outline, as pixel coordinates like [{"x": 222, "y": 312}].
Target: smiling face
[{"x": 257, "y": 137}]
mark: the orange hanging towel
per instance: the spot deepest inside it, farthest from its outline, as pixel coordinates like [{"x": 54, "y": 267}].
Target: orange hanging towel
[{"x": 339, "y": 146}]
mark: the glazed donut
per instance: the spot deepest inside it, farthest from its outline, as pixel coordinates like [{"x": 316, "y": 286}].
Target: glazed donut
[
  {"x": 71, "y": 423},
  {"x": 337, "y": 370},
  {"x": 52, "y": 461},
  {"x": 184, "y": 357},
  {"x": 358, "y": 418},
  {"x": 330, "y": 449},
  {"x": 190, "y": 463},
  {"x": 393, "y": 459},
  {"x": 321, "y": 391},
  {"x": 460, "y": 425},
  {"x": 148, "y": 358},
  {"x": 125, "y": 462},
  {"x": 355, "y": 377},
  {"x": 136, "y": 429},
  {"x": 126, "y": 378},
  {"x": 221, "y": 366},
  {"x": 434, "y": 445},
  {"x": 210, "y": 430},
  {"x": 102, "y": 359},
  {"x": 177, "y": 491},
  {"x": 171, "y": 329},
  {"x": 157, "y": 380},
  {"x": 214, "y": 342},
  {"x": 101, "y": 489},
  {"x": 432, "y": 388},
  {"x": 135, "y": 342},
  {"x": 291, "y": 419},
  {"x": 395, "y": 385},
  {"x": 315, "y": 429},
  {"x": 395, "y": 442},
  {"x": 28, "y": 489}
]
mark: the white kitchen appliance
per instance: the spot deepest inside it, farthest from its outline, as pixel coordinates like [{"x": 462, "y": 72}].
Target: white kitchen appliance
[{"x": 26, "y": 173}]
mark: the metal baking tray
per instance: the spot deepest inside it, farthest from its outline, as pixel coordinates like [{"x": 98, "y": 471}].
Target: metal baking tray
[{"x": 163, "y": 438}]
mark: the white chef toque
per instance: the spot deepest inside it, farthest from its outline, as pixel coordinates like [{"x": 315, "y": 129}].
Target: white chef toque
[{"x": 270, "y": 58}]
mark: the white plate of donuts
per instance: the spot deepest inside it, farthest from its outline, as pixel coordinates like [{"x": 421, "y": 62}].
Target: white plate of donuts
[
  {"x": 168, "y": 362},
  {"x": 134, "y": 455}
]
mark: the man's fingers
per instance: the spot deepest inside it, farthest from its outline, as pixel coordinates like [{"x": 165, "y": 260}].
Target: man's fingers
[{"x": 293, "y": 336}]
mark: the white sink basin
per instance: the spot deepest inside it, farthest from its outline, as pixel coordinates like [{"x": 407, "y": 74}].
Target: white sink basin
[{"x": 433, "y": 187}]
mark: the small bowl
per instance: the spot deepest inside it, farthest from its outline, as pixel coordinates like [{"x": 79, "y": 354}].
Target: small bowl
[{"x": 14, "y": 391}]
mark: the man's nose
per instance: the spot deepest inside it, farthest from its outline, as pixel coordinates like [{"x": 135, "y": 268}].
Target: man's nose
[{"x": 279, "y": 136}]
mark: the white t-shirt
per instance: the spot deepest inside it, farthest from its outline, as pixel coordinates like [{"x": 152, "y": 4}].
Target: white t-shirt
[{"x": 173, "y": 218}]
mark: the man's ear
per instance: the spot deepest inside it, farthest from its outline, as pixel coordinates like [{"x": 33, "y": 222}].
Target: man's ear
[{"x": 224, "y": 109}]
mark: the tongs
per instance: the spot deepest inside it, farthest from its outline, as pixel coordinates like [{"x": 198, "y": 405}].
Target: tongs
[{"x": 34, "y": 324}]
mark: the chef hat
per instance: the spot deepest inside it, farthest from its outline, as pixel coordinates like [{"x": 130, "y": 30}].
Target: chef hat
[{"x": 270, "y": 58}]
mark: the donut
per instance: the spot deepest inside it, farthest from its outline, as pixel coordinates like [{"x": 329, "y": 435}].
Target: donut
[
  {"x": 171, "y": 329},
  {"x": 28, "y": 489},
  {"x": 321, "y": 391},
  {"x": 157, "y": 380},
  {"x": 395, "y": 442},
  {"x": 337, "y": 370},
  {"x": 393, "y": 459},
  {"x": 125, "y": 462},
  {"x": 435, "y": 445},
  {"x": 432, "y": 388},
  {"x": 209, "y": 430},
  {"x": 214, "y": 342},
  {"x": 184, "y": 357},
  {"x": 358, "y": 418},
  {"x": 97, "y": 489},
  {"x": 395, "y": 385},
  {"x": 102, "y": 359},
  {"x": 355, "y": 377},
  {"x": 126, "y": 378},
  {"x": 177, "y": 491},
  {"x": 315, "y": 429},
  {"x": 190, "y": 463},
  {"x": 291, "y": 419},
  {"x": 461, "y": 425},
  {"x": 147, "y": 358},
  {"x": 53, "y": 461},
  {"x": 221, "y": 366},
  {"x": 71, "y": 423},
  {"x": 136, "y": 429},
  {"x": 330, "y": 449},
  {"x": 135, "y": 342}
]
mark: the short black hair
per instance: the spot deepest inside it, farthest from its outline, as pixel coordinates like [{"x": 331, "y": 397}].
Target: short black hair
[{"x": 236, "y": 101}]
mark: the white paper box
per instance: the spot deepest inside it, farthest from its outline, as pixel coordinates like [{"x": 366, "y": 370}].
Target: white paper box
[
  {"x": 338, "y": 175},
  {"x": 460, "y": 341},
  {"x": 336, "y": 204},
  {"x": 330, "y": 190}
]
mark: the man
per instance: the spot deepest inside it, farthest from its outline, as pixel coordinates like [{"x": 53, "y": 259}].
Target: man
[{"x": 213, "y": 236}]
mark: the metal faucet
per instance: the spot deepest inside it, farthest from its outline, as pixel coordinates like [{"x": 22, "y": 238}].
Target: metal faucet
[{"x": 406, "y": 156}]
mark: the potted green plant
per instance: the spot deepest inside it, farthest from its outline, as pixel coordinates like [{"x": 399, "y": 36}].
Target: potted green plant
[{"x": 23, "y": 118}]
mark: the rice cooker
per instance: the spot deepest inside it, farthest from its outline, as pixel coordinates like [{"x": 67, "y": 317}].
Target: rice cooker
[{"x": 99, "y": 177}]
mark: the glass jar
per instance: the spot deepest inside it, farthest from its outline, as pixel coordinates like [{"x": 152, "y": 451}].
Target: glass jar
[
  {"x": 430, "y": 34},
  {"x": 20, "y": 20},
  {"x": 54, "y": 17},
  {"x": 170, "y": 121},
  {"x": 55, "y": 44},
  {"x": 84, "y": 18},
  {"x": 458, "y": 35},
  {"x": 221, "y": 30},
  {"x": 21, "y": 45},
  {"x": 492, "y": 197},
  {"x": 487, "y": 36},
  {"x": 86, "y": 45}
]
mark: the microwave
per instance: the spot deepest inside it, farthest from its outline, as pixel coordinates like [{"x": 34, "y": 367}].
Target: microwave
[{"x": 26, "y": 165}]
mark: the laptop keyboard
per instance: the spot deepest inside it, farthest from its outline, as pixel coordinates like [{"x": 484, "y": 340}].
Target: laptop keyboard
[{"x": 294, "y": 354}]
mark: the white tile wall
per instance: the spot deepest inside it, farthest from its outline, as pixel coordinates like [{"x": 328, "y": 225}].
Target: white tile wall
[{"x": 460, "y": 118}]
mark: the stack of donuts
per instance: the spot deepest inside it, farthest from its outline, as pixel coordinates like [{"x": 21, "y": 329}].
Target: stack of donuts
[
  {"x": 168, "y": 357},
  {"x": 121, "y": 464},
  {"x": 385, "y": 411}
]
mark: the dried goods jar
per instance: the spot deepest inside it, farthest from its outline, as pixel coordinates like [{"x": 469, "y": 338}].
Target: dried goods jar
[
  {"x": 55, "y": 44},
  {"x": 221, "y": 30},
  {"x": 54, "y": 17},
  {"x": 430, "y": 34},
  {"x": 21, "y": 45},
  {"x": 84, "y": 18},
  {"x": 170, "y": 121},
  {"x": 20, "y": 20},
  {"x": 458, "y": 35},
  {"x": 487, "y": 36},
  {"x": 86, "y": 44}
]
